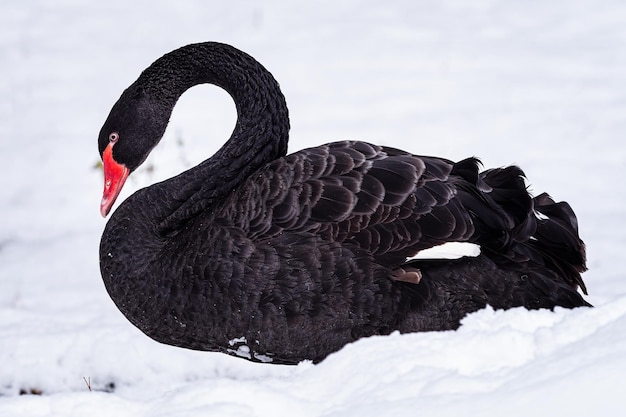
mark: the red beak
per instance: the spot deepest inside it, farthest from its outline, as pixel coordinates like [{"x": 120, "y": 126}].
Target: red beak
[{"x": 115, "y": 175}]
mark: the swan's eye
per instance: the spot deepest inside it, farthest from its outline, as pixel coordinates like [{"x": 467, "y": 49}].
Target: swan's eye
[{"x": 113, "y": 137}]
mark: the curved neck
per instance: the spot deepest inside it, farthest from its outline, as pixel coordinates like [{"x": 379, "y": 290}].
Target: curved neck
[{"x": 260, "y": 134}]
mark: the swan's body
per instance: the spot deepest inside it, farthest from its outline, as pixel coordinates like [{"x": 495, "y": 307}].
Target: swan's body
[{"x": 295, "y": 256}]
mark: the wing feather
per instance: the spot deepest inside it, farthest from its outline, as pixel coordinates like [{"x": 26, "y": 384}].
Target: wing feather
[{"x": 385, "y": 201}]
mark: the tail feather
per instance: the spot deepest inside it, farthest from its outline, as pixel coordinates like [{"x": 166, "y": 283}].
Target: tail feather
[
  {"x": 507, "y": 188},
  {"x": 501, "y": 208},
  {"x": 547, "y": 238},
  {"x": 513, "y": 227},
  {"x": 557, "y": 241},
  {"x": 531, "y": 255}
]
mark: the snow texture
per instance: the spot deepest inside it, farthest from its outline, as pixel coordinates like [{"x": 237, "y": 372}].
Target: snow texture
[{"x": 536, "y": 83}]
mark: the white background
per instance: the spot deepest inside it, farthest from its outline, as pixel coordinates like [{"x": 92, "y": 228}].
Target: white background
[{"x": 535, "y": 83}]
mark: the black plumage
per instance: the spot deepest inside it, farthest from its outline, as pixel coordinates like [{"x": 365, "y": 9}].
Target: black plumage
[{"x": 282, "y": 258}]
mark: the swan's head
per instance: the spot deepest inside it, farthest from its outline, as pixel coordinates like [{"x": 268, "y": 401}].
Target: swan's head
[{"x": 134, "y": 127}]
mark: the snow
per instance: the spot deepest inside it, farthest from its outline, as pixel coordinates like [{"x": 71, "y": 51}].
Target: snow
[{"x": 540, "y": 84}]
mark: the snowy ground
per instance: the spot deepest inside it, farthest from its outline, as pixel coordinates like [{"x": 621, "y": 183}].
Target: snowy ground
[{"x": 540, "y": 84}]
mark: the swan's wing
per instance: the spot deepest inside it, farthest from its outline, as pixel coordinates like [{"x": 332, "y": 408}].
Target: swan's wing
[{"x": 386, "y": 201}]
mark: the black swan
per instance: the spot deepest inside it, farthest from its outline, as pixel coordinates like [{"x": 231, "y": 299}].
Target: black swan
[{"x": 281, "y": 258}]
